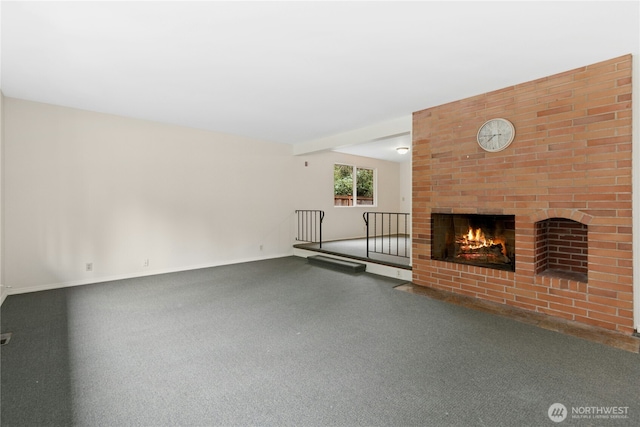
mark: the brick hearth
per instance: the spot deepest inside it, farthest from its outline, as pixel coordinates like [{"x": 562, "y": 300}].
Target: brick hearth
[{"x": 568, "y": 166}]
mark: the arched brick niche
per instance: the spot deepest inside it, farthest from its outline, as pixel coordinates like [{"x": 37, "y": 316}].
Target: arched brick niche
[{"x": 561, "y": 249}]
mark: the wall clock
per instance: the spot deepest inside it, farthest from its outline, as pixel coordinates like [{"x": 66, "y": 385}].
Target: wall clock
[{"x": 496, "y": 134}]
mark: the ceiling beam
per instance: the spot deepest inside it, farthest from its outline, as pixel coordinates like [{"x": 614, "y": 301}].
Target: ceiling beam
[{"x": 386, "y": 129}]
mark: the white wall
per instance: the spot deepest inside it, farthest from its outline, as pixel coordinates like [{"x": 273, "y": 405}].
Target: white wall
[
  {"x": 83, "y": 187},
  {"x": 406, "y": 174},
  {"x": 3, "y": 290},
  {"x": 314, "y": 190}
]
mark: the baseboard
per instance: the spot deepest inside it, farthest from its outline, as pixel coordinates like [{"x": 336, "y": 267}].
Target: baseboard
[{"x": 47, "y": 287}]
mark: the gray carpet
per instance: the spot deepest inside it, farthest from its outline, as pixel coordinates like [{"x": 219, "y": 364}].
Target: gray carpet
[{"x": 284, "y": 343}]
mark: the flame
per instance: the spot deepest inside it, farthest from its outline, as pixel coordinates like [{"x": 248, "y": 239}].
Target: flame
[{"x": 475, "y": 239}]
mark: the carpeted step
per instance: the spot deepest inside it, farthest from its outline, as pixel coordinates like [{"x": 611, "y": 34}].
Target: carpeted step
[{"x": 337, "y": 264}]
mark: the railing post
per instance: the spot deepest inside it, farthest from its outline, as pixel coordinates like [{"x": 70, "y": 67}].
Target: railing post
[
  {"x": 406, "y": 233},
  {"x": 397, "y": 234},
  {"x": 375, "y": 231},
  {"x": 389, "y": 233},
  {"x": 321, "y": 219},
  {"x": 365, "y": 216}
]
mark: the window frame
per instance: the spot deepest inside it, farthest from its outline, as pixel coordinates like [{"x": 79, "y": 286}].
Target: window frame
[{"x": 354, "y": 189}]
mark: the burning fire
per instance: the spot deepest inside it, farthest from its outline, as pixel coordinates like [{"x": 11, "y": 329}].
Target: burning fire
[{"x": 475, "y": 239}]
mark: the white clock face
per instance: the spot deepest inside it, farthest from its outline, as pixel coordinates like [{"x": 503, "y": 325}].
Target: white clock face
[{"x": 496, "y": 135}]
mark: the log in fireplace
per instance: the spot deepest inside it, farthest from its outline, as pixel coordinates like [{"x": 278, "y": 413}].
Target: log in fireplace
[{"x": 475, "y": 239}]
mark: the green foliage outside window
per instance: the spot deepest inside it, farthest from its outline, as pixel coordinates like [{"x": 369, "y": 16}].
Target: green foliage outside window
[
  {"x": 343, "y": 180},
  {"x": 364, "y": 182}
]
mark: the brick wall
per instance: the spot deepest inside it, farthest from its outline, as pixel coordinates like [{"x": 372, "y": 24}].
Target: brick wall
[{"x": 570, "y": 159}]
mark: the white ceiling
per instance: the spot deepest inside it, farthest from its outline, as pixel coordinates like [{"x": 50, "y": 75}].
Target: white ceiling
[{"x": 295, "y": 71}]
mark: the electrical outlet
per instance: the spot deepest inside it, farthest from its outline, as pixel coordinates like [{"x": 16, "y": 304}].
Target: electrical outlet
[
  {"x": 89, "y": 266},
  {"x": 146, "y": 263},
  {"x": 261, "y": 247}
]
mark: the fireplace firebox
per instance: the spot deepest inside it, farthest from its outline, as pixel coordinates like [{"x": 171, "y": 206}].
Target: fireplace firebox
[{"x": 474, "y": 239}]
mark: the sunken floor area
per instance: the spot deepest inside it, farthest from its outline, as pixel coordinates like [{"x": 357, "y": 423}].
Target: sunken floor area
[{"x": 282, "y": 342}]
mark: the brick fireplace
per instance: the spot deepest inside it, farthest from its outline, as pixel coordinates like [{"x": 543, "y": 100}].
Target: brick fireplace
[{"x": 565, "y": 180}]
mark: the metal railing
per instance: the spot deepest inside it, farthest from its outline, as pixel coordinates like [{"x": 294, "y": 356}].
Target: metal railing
[
  {"x": 310, "y": 226},
  {"x": 388, "y": 233}
]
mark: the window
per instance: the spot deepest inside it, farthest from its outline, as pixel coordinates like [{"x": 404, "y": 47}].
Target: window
[{"x": 349, "y": 180}]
